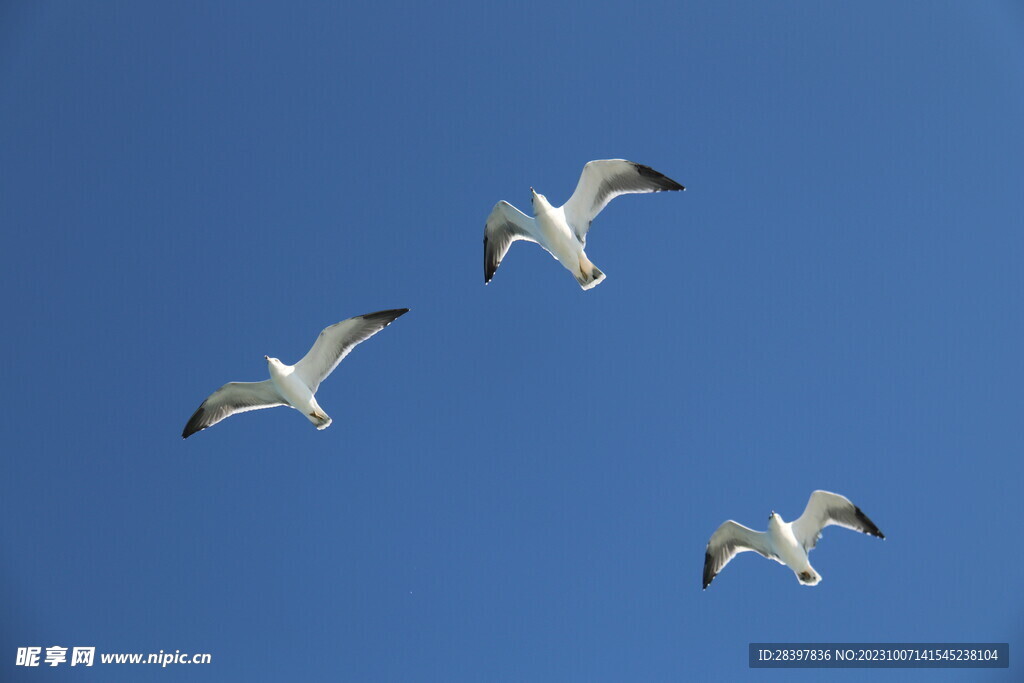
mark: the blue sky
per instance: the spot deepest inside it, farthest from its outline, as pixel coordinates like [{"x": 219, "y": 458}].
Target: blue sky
[{"x": 521, "y": 478}]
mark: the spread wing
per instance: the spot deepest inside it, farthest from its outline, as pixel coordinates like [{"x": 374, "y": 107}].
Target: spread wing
[
  {"x": 505, "y": 225},
  {"x": 603, "y": 181},
  {"x": 728, "y": 541},
  {"x": 233, "y": 397},
  {"x": 335, "y": 342},
  {"x": 826, "y": 508}
]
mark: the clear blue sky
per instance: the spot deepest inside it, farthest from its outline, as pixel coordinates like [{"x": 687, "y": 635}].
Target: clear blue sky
[{"x": 521, "y": 478}]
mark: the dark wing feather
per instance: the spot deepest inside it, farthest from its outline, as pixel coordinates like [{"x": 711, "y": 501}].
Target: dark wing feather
[
  {"x": 233, "y": 397},
  {"x": 505, "y": 225},
  {"x": 603, "y": 181},
  {"x": 729, "y": 540}
]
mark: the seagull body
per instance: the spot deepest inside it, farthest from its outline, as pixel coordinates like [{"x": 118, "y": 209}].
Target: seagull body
[
  {"x": 296, "y": 393},
  {"x": 562, "y": 231},
  {"x": 293, "y": 385},
  {"x": 787, "y": 543}
]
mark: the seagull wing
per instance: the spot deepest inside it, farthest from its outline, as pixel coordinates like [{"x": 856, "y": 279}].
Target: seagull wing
[
  {"x": 505, "y": 225},
  {"x": 603, "y": 181},
  {"x": 233, "y": 397},
  {"x": 729, "y": 540},
  {"x": 335, "y": 342},
  {"x": 826, "y": 508}
]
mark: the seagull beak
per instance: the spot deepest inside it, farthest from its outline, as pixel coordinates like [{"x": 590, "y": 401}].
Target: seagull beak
[{"x": 266, "y": 357}]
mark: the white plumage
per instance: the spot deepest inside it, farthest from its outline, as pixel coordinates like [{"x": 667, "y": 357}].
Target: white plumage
[
  {"x": 562, "y": 231},
  {"x": 293, "y": 385},
  {"x": 787, "y": 543}
]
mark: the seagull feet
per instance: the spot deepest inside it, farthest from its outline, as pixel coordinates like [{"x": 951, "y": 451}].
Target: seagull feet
[{"x": 805, "y": 576}]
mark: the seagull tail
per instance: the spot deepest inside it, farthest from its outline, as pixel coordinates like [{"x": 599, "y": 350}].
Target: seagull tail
[
  {"x": 589, "y": 275},
  {"x": 319, "y": 418},
  {"x": 808, "y": 577}
]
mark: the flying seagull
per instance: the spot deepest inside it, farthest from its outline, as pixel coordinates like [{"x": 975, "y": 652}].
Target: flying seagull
[
  {"x": 562, "y": 231},
  {"x": 293, "y": 385},
  {"x": 787, "y": 542}
]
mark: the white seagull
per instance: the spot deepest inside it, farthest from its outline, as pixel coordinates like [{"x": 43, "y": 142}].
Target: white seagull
[
  {"x": 787, "y": 542},
  {"x": 293, "y": 385},
  {"x": 562, "y": 231}
]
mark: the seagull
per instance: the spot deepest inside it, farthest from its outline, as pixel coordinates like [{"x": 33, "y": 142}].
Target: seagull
[
  {"x": 787, "y": 542},
  {"x": 293, "y": 385},
  {"x": 562, "y": 231}
]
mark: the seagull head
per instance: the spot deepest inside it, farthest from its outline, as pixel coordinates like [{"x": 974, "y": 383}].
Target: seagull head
[
  {"x": 772, "y": 516},
  {"x": 270, "y": 361},
  {"x": 537, "y": 197}
]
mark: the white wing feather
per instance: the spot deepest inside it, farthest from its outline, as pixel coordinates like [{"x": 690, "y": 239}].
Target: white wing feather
[
  {"x": 233, "y": 397},
  {"x": 729, "y": 540},
  {"x": 337, "y": 341},
  {"x": 825, "y": 508},
  {"x": 603, "y": 181}
]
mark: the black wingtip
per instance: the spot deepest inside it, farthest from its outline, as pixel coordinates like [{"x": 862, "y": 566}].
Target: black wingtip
[
  {"x": 194, "y": 423},
  {"x": 709, "y": 574},
  {"x": 489, "y": 268},
  {"x": 387, "y": 317},
  {"x": 665, "y": 184},
  {"x": 869, "y": 527},
  {"x": 190, "y": 429}
]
